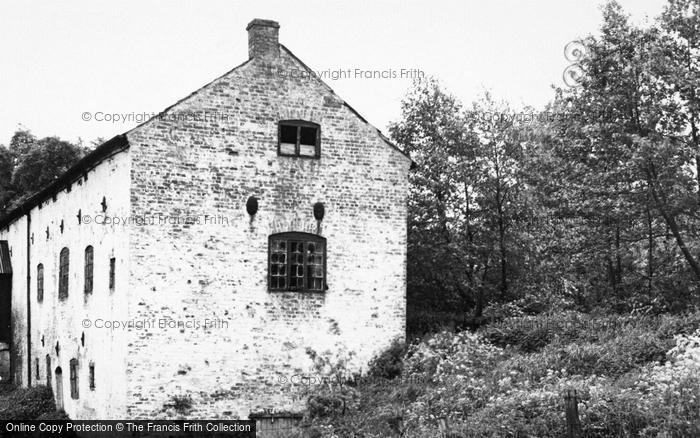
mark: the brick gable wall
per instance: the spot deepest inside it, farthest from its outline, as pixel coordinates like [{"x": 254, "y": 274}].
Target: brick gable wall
[{"x": 204, "y": 258}]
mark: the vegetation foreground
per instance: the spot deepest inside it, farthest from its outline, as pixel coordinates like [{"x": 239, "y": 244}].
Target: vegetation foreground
[{"x": 634, "y": 376}]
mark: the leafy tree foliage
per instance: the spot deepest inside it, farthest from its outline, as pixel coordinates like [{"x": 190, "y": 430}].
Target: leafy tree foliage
[
  {"x": 596, "y": 208},
  {"x": 29, "y": 164}
]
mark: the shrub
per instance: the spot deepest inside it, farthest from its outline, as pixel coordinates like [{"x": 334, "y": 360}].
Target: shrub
[
  {"x": 325, "y": 405},
  {"x": 532, "y": 333},
  {"x": 181, "y": 403},
  {"x": 633, "y": 377},
  {"x": 388, "y": 364}
]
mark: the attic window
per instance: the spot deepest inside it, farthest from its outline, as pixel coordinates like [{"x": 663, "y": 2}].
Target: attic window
[{"x": 298, "y": 138}]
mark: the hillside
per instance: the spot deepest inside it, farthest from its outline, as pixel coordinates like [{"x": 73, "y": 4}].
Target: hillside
[{"x": 633, "y": 376}]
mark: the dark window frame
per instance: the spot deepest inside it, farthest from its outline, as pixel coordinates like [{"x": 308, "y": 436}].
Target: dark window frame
[
  {"x": 74, "y": 392},
  {"x": 40, "y": 282},
  {"x": 48, "y": 370},
  {"x": 298, "y": 124},
  {"x": 92, "y": 376},
  {"x": 89, "y": 269},
  {"x": 63, "y": 273},
  {"x": 112, "y": 272},
  {"x": 297, "y": 238}
]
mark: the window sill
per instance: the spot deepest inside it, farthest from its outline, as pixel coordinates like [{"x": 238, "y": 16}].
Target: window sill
[
  {"x": 306, "y": 157},
  {"x": 303, "y": 291}
]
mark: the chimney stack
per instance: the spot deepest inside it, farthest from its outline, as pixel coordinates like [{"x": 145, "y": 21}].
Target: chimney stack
[{"x": 263, "y": 39}]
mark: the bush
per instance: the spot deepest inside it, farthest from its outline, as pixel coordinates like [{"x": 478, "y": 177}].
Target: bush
[
  {"x": 532, "y": 333},
  {"x": 26, "y": 403},
  {"x": 325, "y": 405},
  {"x": 180, "y": 403},
  {"x": 633, "y": 377},
  {"x": 388, "y": 364}
]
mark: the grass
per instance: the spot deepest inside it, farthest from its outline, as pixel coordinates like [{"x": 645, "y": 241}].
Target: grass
[{"x": 27, "y": 403}]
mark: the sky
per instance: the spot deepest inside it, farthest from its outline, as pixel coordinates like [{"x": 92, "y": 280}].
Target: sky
[{"x": 59, "y": 60}]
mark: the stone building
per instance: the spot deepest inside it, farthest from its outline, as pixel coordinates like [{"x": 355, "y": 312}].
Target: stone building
[{"x": 211, "y": 253}]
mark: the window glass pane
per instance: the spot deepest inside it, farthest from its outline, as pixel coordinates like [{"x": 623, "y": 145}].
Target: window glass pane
[
  {"x": 112, "y": 269},
  {"x": 40, "y": 282},
  {"x": 288, "y": 134},
  {"x": 297, "y": 265},
  {"x": 88, "y": 269},
  {"x": 314, "y": 262},
  {"x": 63, "y": 274},
  {"x": 308, "y": 136},
  {"x": 278, "y": 267},
  {"x": 288, "y": 148},
  {"x": 74, "y": 378},
  {"x": 307, "y": 151}
]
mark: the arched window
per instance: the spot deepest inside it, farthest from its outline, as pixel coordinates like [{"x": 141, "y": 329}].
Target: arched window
[
  {"x": 40, "y": 283},
  {"x": 89, "y": 257},
  {"x": 59, "y": 388},
  {"x": 74, "y": 378},
  {"x": 297, "y": 262},
  {"x": 63, "y": 274}
]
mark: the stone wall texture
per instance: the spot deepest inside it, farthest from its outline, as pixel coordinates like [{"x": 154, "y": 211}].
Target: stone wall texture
[
  {"x": 63, "y": 322},
  {"x": 212, "y": 263},
  {"x": 192, "y": 264}
]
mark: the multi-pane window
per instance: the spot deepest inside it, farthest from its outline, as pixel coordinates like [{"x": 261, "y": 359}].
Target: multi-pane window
[
  {"x": 74, "y": 378},
  {"x": 40, "y": 282},
  {"x": 299, "y": 139},
  {"x": 112, "y": 267},
  {"x": 297, "y": 262},
  {"x": 63, "y": 274},
  {"x": 89, "y": 257}
]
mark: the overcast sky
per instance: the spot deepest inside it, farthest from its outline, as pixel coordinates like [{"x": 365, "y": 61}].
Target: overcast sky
[{"x": 61, "y": 59}]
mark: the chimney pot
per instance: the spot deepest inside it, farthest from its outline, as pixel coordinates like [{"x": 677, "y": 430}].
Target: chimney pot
[{"x": 263, "y": 39}]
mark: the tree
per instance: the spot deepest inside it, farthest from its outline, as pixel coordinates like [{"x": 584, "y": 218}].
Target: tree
[
  {"x": 464, "y": 248},
  {"x": 626, "y": 159},
  {"x": 6, "y": 166},
  {"x": 30, "y": 164}
]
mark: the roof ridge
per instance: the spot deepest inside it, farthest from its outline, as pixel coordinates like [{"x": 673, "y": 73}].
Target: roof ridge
[
  {"x": 120, "y": 142},
  {"x": 93, "y": 158}
]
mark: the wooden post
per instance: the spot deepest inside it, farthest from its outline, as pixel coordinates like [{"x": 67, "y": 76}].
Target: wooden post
[
  {"x": 442, "y": 423},
  {"x": 573, "y": 426}
]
